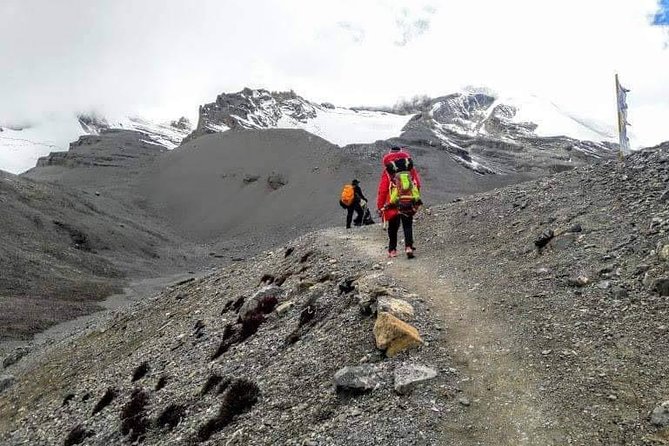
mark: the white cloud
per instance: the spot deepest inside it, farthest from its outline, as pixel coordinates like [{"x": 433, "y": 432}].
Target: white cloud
[{"x": 164, "y": 58}]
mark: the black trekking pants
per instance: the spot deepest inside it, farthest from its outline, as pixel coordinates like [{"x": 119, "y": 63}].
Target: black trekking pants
[
  {"x": 393, "y": 228},
  {"x": 349, "y": 214}
]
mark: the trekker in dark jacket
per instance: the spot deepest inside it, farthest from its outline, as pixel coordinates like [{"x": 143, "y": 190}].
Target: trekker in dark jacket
[{"x": 357, "y": 204}]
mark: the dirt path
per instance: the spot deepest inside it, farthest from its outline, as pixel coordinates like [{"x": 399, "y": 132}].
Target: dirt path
[{"x": 506, "y": 408}]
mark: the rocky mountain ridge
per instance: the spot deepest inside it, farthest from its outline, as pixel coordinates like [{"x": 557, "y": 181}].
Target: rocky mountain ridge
[
  {"x": 480, "y": 131},
  {"x": 168, "y": 135}
]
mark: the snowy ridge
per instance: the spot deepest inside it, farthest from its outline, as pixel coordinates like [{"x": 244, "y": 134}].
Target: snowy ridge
[
  {"x": 508, "y": 117},
  {"x": 167, "y": 135},
  {"x": 458, "y": 122},
  {"x": 261, "y": 109},
  {"x": 21, "y": 147}
]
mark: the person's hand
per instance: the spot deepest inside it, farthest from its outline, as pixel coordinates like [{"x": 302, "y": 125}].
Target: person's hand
[{"x": 363, "y": 203}]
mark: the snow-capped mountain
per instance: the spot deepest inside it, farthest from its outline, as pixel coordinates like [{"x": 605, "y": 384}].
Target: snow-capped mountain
[
  {"x": 261, "y": 109},
  {"x": 469, "y": 114},
  {"x": 511, "y": 117},
  {"x": 484, "y": 132},
  {"x": 22, "y": 145}
]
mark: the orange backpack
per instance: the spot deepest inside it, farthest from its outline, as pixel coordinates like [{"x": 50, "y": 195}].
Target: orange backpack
[{"x": 347, "y": 195}]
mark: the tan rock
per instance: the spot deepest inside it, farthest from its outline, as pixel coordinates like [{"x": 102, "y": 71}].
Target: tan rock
[
  {"x": 664, "y": 252},
  {"x": 393, "y": 335},
  {"x": 284, "y": 307},
  {"x": 399, "y": 308}
]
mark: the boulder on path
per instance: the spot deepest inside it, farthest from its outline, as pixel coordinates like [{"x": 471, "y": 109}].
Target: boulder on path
[
  {"x": 660, "y": 415},
  {"x": 362, "y": 378},
  {"x": 399, "y": 308},
  {"x": 407, "y": 376},
  {"x": 6, "y": 382},
  {"x": 394, "y": 335}
]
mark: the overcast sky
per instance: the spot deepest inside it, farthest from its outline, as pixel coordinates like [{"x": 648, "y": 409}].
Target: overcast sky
[{"x": 163, "y": 58}]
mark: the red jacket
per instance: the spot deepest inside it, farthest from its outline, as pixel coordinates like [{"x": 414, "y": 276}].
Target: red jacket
[{"x": 383, "y": 196}]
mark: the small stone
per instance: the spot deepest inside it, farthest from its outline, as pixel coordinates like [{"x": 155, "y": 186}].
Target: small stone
[
  {"x": 604, "y": 285},
  {"x": 305, "y": 285},
  {"x": 579, "y": 281},
  {"x": 660, "y": 415},
  {"x": 410, "y": 375},
  {"x": 399, "y": 308},
  {"x": 661, "y": 286},
  {"x": 544, "y": 238},
  {"x": 664, "y": 252},
  {"x": 393, "y": 335},
  {"x": 6, "y": 381},
  {"x": 576, "y": 228},
  {"x": 361, "y": 378},
  {"x": 284, "y": 307},
  {"x": 366, "y": 303},
  {"x": 546, "y": 352},
  {"x": 465, "y": 402},
  {"x": 15, "y": 356},
  {"x": 607, "y": 270}
]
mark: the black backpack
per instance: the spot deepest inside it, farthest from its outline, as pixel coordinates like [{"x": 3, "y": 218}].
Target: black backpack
[{"x": 399, "y": 165}]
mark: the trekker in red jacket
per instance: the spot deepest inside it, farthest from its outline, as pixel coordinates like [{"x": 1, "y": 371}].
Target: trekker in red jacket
[{"x": 397, "y": 160}]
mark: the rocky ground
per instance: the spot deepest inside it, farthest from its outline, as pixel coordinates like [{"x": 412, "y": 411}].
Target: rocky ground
[
  {"x": 171, "y": 359},
  {"x": 575, "y": 266},
  {"x": 541, "y": 308}
]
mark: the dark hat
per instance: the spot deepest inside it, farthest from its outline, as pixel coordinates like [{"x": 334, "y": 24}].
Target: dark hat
[
  {"x": 395, "y": 148},
  {"x": 355, "y": 182}
]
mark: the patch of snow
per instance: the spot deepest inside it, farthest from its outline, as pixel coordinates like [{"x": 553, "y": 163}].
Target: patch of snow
[
  {"x": 20, "y": 149},
  {"x": 218, "y": 127},
  {"x": 149, "y": 141},
  {"x": 161, "y": 133},
  {"x": 551, "y": 120},
  {"x": 474, "y": 165},
  {"x": 342, "y": 126}
]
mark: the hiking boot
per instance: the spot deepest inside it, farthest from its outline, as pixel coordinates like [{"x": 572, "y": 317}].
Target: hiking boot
[
  {"x": 392, "y": 254},
  {"x": 409, "y": 251}
]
